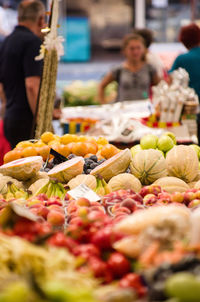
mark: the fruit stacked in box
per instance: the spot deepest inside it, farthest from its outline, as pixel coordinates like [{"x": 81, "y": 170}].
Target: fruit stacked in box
[{"x": 136, "y": 239}]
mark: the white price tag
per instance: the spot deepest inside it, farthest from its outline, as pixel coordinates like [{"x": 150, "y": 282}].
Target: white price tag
[{"x": 83, "y": 191}]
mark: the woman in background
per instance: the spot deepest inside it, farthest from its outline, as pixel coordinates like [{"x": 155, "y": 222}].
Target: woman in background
[
  {"x": 134, "y": 76},
  {"x": 151, "y": 57}
]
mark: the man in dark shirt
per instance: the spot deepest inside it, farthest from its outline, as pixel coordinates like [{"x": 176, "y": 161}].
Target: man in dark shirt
[{"x": 20, "y": 73}]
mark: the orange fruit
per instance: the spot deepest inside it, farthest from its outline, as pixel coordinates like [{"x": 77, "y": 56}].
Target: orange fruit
[
  {"x": 46, "y": 137},
  {"x": 43, "y": 151},
  {"x": 29, "y": 151},
  {"x": 24, "y": 144},
  {"x": 68, "y": 138},
  {"x": 12, "y": 155},
  {"x": 82, "y": 138},
  {"x": 102, "y": 141},
  {"x": 92, "y": 148},
  {"x": 70, "y": 147},
  {"x": 39, "y": 144},
  {"x": 64, "y": 150},
  {"x": 80, "y": 149},
  {"x": 88, "y": 155},
  {"x": 109, "y": 150}
]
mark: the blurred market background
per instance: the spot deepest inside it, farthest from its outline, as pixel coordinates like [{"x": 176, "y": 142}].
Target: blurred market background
[{"x": 93, "y": 30}]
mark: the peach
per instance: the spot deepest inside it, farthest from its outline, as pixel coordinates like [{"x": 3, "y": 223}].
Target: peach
[
  {"x": 83, "y": 202},
  {"x": 194, "y": 203},
  {"x": 55, "y": 207},
  {"x": 56, "y": 218},
  {"x": 149, "y": 199},
  {"x": 177, "y": 197},
  {"x": 82, "y": 211},
  {"x": 129, "y": 204}
]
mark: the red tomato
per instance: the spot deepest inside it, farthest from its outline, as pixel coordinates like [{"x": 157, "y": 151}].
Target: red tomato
[{"x": 118, "y": 264}]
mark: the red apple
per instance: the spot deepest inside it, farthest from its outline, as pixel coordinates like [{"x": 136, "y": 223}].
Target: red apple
[{"x": 149, "y": 199}]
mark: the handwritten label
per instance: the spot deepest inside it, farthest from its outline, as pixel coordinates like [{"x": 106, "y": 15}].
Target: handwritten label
[{"x": 83, "y": 191}]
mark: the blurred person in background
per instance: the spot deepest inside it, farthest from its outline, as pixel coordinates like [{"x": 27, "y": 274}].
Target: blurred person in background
[
  {"x": 151, "y": 57},
  {"x": 134, "y": 76},
  {"x": 190, "y": 37},
  {"x": 20, "y": 73}
]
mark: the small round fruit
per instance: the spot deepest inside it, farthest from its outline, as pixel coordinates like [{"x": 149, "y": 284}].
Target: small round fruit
[
  {"x": 29, "y": 151},
  {"x": 109, "y": 150},
  {"x": 56, "y": 218},
  {"x": 68, "y": 138},
  {"x": 46, "y": 137},
  {"x": 12, "y": 155},
  {"x": 149, "y": 141},
  {"x": 80, "y": 149},
  {"x": 165, "y": 143}
]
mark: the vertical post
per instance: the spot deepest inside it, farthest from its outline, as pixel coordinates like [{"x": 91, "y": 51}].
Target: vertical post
[
  {"x": 193, "y": 6},
  {"x": 140, "y": 8}
]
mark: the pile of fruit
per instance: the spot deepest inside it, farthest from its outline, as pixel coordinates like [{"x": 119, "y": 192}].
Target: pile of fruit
[
  {"x": 65, "y": 145},
  {"x": 129, "y": 220}
]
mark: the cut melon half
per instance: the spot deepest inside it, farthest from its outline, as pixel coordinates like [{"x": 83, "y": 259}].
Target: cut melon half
[
  {"x": 22, "y": 169},
  {"x": 67, "y": 170},
  {"x": 113, "y": 166}
]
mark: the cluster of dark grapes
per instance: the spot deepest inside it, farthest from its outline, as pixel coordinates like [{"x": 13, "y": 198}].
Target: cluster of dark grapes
[{"x": 91, "y": 163}]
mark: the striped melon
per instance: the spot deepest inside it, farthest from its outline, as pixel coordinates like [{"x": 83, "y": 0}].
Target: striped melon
[
  {"x": 22, "y": 169},
  {"x": 148, "y": 166},
  {"x": 182, "y": 162}
]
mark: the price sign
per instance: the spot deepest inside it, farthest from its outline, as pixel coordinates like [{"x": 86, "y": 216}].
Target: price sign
[{"x": 83, "y": 191}]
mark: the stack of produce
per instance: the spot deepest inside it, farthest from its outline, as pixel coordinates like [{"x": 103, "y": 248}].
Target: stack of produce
[{"x": 138, "y": 237}]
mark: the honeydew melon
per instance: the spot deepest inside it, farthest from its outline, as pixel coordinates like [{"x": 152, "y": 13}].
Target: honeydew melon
[
  {"x": 113, "y": 166},
  {"x": 67, "y": 170},
  {"x": 22, "y": 169}
]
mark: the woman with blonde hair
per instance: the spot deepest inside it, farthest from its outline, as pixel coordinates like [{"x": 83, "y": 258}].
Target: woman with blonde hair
[{"x": 134, "y": 76}]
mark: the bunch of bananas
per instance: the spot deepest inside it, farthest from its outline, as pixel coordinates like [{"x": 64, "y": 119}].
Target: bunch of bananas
[
  {"x": 102, "y": 187},
  {"x": 13, "y": 192},
  {"x": 52, "y": 189}
]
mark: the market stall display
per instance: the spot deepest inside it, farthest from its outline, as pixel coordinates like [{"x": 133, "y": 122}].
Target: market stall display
[{"x": 127, "y": 225}]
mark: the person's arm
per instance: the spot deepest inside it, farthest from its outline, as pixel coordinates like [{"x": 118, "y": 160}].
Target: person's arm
[
  {"x": 105, "y": 81},
  {"x": 32, "y": 88},
  {"x": 155, "y": 79},
  {"x": 3, "y": 100}
]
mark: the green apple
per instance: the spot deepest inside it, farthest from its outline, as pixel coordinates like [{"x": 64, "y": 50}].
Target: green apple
[
  {"x": 196, "y": 148},
  {"x": 135, "y": 149},
  {"x": 165, "y": 143},
  {"x": 171, "y": 135},
  {"x": 184, "y": 286},
  {"x": 149, "y": 141}
]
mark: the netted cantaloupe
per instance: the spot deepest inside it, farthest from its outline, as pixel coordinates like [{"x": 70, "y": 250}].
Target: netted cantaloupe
[
  {"x": 22, "y": 169},
  {"x": 67, "y": 170},
  {"x": 148, "y": 166},
  {"x": 114, "y": 165},
  {"x": 125, "y": 181},
  {"x": 172, "y": 184},
  {"x": 182, "y": 162}
]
